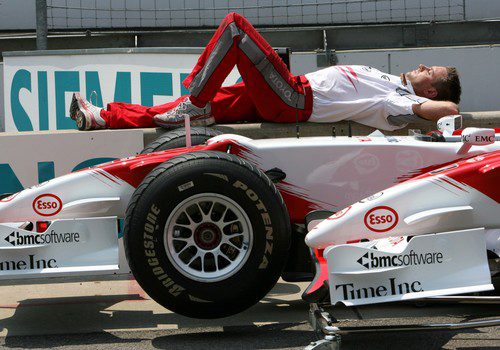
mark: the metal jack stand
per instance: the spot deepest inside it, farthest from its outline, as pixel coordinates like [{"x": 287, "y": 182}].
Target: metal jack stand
[{"x": 323, "y": 323}]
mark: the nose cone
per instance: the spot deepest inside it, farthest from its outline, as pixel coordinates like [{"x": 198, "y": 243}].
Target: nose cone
[{"x": 320, "y": 236}]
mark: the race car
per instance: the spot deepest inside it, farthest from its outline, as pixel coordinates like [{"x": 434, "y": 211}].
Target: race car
[
  {"x": 208, "y": 230},
  {"x": 435, "y": 234}
]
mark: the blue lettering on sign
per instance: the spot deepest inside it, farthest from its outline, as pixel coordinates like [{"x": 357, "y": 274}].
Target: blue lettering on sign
[
  {"x": 43, "y": 101},
  {"x": 45, "y": 171},
  {"x": 184, "y": 91},
  {"x": 123, "y": 91},
  {"x": 65, "y": 81},
  {"x": 153, "y": 84},
  {"x": 9, "y": 182},
  {"x": 21, "y": 80}
]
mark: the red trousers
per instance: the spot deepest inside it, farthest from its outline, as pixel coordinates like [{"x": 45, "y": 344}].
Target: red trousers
[{"x": 269, "y": 92}]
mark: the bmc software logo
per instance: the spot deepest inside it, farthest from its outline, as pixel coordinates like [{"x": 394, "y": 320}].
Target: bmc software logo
[
  {"x": 412, "y": 258},
  {"x": 16, "y": 239},
  {"x": 11, "y": 238}
]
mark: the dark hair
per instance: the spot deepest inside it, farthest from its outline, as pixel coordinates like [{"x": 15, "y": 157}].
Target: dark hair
[{"x": 449, "y": 89}]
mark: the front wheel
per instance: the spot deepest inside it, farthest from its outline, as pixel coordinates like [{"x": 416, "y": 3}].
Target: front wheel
[{"x": 207, "y": 234}]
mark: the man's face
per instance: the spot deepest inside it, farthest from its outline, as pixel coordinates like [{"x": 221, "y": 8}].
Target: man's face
[{"x": 423, "y": 78}]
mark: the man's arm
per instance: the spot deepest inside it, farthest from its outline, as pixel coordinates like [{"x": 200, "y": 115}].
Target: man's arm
[{"x": 433, "y": 110}]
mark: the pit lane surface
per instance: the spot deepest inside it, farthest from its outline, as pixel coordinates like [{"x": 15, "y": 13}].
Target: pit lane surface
[{"x": 118, "y": 314}]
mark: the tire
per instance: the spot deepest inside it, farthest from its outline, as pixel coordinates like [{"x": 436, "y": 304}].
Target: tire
[
  {"x": 167, "y": 269},
  {"x": 177, "y": 138}
]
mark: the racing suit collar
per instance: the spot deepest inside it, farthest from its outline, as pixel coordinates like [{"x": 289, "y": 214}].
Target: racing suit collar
[{"x": 407, "y": 84}]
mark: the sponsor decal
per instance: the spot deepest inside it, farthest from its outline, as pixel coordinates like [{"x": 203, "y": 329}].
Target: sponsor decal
[
  {"x": 28, "y": 263},
  {"x": 150, "y": 244},
  {"x": 340, "y": 213},
  {"x": 478, "y": 138},
  {"x": 391, "y": 287},
  {"x": 372, "y": 197},
  {"x": 284, "y": 89},
  {"x": 412, "y": 258},
  {"x": 440, "y": 170},
  {"x": 185, "y": 186},
  {"x": 363, "y": 139},
  {"x": 17, "y": 239},
  {"x": 381, "y": 219},
  {"x": 266, "y": 218},
  {"x": 366, "y": 163},
  {"x": 47, "y": 205}
]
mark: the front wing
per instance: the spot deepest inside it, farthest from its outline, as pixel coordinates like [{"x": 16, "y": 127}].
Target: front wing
[
  {"x": 396, "y": 269},
  {"x": 65, "y": 247}
]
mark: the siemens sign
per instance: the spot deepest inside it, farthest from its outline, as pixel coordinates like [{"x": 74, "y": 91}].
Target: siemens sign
[{"x": 38, "y": 87}]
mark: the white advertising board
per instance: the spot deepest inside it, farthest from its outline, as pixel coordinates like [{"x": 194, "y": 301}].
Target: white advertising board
[
  {"x": 27, "y": 159},
  {"x": 38, "y": 87}
]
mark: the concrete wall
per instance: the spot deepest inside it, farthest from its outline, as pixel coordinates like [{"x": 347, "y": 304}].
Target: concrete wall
[
  {"x": 20, "y": 14},
  {"x": 477, "y": 65}
]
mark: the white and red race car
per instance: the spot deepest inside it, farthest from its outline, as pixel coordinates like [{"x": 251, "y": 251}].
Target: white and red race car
[
  {"x": 209, "y": 229},
  {"x": 429, "y": 236}
]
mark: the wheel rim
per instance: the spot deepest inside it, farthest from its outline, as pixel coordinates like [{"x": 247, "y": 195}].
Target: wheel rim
[{"x": 208, "y": 237}]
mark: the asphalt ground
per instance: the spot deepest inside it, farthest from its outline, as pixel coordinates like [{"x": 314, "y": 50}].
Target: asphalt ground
[{"x": 117, "y": 314}]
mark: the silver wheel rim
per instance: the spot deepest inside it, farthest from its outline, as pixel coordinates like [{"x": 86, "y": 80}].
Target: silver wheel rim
[{"x": 208, "y": 237}]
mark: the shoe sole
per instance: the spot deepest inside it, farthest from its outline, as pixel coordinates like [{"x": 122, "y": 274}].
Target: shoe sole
[
  {"x": 74, "y": 107},
  {"x": 81, "y": 121},
  {"x": 204, "y": 121}
]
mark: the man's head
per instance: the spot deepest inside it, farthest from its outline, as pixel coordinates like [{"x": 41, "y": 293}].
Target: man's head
[{"x": 436, "y": 83}]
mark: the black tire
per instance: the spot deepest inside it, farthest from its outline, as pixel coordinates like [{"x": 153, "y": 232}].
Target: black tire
[
  {"x": 177, "y": 138},
  {"x": 224, "y": 177}
]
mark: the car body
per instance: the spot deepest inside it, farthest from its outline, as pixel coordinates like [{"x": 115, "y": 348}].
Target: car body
[{"x": 72, "y": 225}]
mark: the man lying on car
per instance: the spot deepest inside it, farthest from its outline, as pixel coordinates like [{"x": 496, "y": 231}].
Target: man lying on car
[{"x": 269, "y": 92}]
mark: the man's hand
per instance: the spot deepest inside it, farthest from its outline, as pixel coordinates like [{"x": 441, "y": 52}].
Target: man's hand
[{"x": 433, "y": 110}]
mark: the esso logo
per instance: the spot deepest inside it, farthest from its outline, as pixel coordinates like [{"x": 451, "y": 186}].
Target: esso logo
[
  {"x": 340, "y": 213},
  {"x": 381, "y": 219},
  {"x": 47, "y": 205}
]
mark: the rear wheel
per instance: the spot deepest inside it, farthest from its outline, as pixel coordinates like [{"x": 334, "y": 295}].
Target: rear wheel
[
  {"x": 177, "y": 138},
  {"x": 207, "y": 234}
]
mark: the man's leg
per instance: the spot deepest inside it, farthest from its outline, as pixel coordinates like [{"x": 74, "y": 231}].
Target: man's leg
[
  {"x": 232, "y": 104},
  {"x": 276, "y": 93},
  {"x": 120, "y": 115},
  {"x": 229, "y": 105}
]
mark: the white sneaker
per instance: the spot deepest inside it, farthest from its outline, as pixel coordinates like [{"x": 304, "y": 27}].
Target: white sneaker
[
  {"x": 175, "y": 117},
  {"x": 86, "y": 115}
]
